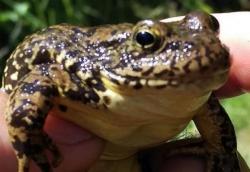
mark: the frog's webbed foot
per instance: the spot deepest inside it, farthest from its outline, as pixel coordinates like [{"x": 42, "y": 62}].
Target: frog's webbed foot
[{"x": 27, "y": 109}]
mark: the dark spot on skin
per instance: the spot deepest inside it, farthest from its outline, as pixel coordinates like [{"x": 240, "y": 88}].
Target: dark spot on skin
[
  {"x": 44, "y": 69},
  {"x": 198, "y": 60},
  {"x": 165, "y": 73},
  {"x": 28, "y": 101},
  {"x": 105, "y": 106},
  {"x": 35, "y": 86},
  {"x": 138, "y": 86},
  {"x": 106, "y": 100},
  {"x": 73, "y": 53},
  {"x": 29, "y": 88},
  {"x": 62, "y": 45},
  {"x": 79, "y": 95},
  {"x": 84, "y": 33},
  {"x": 175, "y": 45},
  {"x": 147, "y": 72},
  {"x": 186, "y": 67},
  {"x": 18, "y": 115},
  {"x": 74, "y": 67},
  {"x": 90, "y": 31},
  {"x": 113, "y": 32},
  {"x": 53, "y": 68},
  {"x": 28, "y": 53},
  {"x": 42, "y": 57},
  {"x": 18, "y": 146},
  {"x": 136, "y": 68},
  {"x": 74, "y": 38},
  {"x": 161, "y": 86},
  {"x": 95, "y": 83},
  {"x": 62, "y": 108},
  {"x": 75, "y": 95},
  {"x": 94, "y": 96},
  {"x": 23, "y": 72},
  {"x": 114, "y": 81}
]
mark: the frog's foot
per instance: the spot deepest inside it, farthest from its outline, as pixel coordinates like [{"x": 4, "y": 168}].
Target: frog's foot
[{"x": 34, "y": 149}]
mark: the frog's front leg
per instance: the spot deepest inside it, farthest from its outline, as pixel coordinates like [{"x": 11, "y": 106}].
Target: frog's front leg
[
  {"x": 219, "y": 137},
  {"x": 27, "y": 109}
]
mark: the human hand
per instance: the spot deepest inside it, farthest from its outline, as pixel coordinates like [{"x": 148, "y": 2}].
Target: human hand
[
  {"x": 234, "y": 33},
  {"x": 81, "y": 149}
]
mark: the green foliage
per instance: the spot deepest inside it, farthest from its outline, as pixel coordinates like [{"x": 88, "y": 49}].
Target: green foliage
[{"x": 238, "y": 108}]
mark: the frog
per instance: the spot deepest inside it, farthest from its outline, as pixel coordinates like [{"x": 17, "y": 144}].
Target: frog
[{"x": 136, "y": 86}]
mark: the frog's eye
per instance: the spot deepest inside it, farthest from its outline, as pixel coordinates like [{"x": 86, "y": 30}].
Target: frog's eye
[{"x": 145, "y": 38}]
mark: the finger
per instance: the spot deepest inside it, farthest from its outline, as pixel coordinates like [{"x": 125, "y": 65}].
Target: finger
[
  {"x": 8, "y": 161},
  {"x": 234, "y": 33}
]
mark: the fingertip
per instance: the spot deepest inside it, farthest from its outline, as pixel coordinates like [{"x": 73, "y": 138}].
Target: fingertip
[
  {"x": 234, "y": 33},
  {"x": 79, "y": 147}
]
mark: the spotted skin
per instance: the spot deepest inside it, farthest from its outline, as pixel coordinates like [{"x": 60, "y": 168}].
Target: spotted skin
[{"x": 123, "y": 83}]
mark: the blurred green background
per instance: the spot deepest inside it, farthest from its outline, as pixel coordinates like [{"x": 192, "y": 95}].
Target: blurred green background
[{"x": 19, "y": 18}]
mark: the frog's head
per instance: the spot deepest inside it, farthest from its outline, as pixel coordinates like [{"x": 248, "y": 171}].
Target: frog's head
[{"x": 173, "y": 55}]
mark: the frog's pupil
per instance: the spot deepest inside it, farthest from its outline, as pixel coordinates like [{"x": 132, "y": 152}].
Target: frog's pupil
[{"x": 145, "y": 38}]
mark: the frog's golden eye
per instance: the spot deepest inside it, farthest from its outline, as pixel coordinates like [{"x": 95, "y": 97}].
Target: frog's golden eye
[
  {"x": 148, "y": 34},
  {"x": 145, "y": 38}
]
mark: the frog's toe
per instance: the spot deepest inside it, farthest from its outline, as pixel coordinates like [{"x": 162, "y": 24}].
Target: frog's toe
[
  {"x": 42, "y": 162},
  {"x": 34, "y": 148},
  {"x": 23, "y": 164},
  {"x": 57, "y": 157},
  {"x": 39, "y": 156}
]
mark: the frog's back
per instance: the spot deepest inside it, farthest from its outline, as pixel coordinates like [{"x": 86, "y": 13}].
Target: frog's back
[{"x": 62, "y": 44}]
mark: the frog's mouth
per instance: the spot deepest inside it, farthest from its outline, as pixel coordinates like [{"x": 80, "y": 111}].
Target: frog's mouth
[{"x": 210, "y": 79}]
